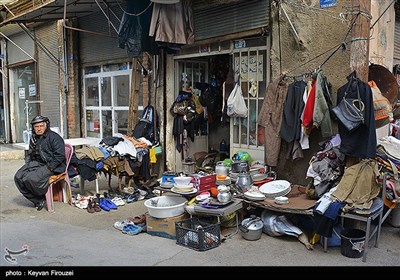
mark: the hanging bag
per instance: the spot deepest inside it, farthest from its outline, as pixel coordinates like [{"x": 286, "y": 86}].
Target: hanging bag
[
  {"x": 350, "y": 111},
  {"x": 236, "y": 105}
]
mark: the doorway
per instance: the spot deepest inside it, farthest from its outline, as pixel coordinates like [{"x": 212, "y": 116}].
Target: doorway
[
  {"x": 25, "y": 100},
  {"x": 221, "y": 72}
]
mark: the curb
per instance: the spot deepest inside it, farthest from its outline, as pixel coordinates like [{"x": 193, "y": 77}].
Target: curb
[{"x": 15, "y": 154}]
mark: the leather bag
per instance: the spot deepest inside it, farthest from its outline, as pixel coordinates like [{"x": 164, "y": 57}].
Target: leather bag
[{"x": 350, "y": 111}]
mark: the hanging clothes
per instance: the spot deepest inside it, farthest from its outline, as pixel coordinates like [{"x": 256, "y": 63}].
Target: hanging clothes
[
  {"x": 270, "y": 117},
  {"x": 323, "y": 105},
  {"x": 173, "y": 23},
  {"x": 133, "y": 32},
  {"x": 361, "y": 142},
  {"x": 292, "y": 110},
  {"x": 309, "y": 109}
]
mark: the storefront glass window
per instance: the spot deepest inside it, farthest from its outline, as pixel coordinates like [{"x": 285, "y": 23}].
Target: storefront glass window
[{"x": 107, "y": 100}]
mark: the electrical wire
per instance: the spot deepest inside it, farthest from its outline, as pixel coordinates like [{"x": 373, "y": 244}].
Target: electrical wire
[{"x": 336, "y": 48}]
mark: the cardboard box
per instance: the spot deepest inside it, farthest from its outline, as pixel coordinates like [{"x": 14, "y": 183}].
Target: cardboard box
[
  {"x": 204, "y": 183},
  {"x": 163, "y": 227},
  {"x": 205, "y": 187}
]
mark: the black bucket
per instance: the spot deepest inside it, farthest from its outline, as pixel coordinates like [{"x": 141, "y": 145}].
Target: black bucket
[{"x": 353, "y": 241}]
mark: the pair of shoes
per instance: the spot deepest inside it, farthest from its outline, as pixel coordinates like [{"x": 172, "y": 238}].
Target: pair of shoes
[
  {"x": 93, "y": 207},
  {"x": 133, "y": 197},
  {"x": 131, "y": 229},
  {"x": 106, "y": 204},
  {"x": 40, "y": 205},
  {"x": 118, "y": 201},
  {"x": 120, "y": 224}
]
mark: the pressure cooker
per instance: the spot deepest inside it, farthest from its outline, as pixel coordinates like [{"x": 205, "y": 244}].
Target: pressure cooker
[{"x": 251, "y": 228}]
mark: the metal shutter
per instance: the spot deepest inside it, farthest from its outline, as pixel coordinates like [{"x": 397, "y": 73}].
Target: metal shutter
[
  {"x": 231, "y": 18},
  {"x": 94, "y": 48},
  {"x": 48, "y": 72},
  {"x": 397, "y": 41},
  {"x": 14, "y": 54}
]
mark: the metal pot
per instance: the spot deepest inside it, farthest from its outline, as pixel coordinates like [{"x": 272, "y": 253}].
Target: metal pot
[
  {"x": 239, "y": 166},
  {"x": 251, "y": 228}
]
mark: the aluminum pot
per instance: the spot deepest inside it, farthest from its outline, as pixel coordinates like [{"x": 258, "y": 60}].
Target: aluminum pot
[
  {"x": 239, "y": 166},
  {"x": 251, "y": 228}
]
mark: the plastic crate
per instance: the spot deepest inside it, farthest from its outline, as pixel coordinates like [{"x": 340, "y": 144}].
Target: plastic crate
[{"x": 197, "y": 235}]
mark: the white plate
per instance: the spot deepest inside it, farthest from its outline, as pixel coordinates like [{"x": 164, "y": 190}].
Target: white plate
[
  {"x": 203, "y": 196},
  {"x": 254, "y": 196},
  {"x": 166, "y": 185},
  {"x": 192, "y": 191},
  {"x": 183, "y": 188},
  {"x": 275, "y": 188}
]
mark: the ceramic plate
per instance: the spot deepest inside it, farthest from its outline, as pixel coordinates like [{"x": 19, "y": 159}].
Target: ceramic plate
[
  {"x": 183, "y": 188},
  {"x": 192, "y": 191},
  {"x": 203, "y": 196},
  {"x": 166, "y": 185},
  {"x": 254, "y": 196},
  {"x": 275, "y": 188}
]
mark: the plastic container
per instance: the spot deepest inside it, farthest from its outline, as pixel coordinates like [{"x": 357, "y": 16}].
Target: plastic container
[
  {"x": 353, "y": 241},
  {"x": 197, "y": 235},
  {"x": 165, "y": 206},
  {"x": 394, "y": 218}
]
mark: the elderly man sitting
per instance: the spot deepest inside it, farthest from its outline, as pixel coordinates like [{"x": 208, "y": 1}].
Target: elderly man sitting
[{"x": 46, "y": 157}]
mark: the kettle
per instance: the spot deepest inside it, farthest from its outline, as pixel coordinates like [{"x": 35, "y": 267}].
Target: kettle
[
  {"x": 223, "y": 194},
  {"x": 251, "y": 228},
  {"x": 243, "y": 182}
]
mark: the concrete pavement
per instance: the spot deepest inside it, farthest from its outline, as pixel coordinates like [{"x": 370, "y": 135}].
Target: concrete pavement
[{"x": 71, "y": 237}]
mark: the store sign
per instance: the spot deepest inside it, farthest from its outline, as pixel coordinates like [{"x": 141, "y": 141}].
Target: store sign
[
  {"x": 327, "y": 3},
  {"x": 250, "y": 68},
  {"x": 239, "y": 44}
]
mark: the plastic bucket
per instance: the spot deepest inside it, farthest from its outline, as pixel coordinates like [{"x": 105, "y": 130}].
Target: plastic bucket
[{"x": 352, "y": 244}]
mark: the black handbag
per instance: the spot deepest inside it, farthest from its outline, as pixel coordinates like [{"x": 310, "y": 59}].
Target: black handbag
[{"x": 350, "y": 111}]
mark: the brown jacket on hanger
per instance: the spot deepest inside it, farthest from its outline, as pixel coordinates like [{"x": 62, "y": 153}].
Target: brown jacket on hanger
[{"x": 270, "y": 117}]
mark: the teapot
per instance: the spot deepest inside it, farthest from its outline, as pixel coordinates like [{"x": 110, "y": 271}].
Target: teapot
[
  {"x": 223, "y": 194},
  {"x": 243, "y": 182}
]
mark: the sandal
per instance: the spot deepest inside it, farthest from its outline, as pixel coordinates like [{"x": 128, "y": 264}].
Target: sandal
[{"x": 139, "y": 219}]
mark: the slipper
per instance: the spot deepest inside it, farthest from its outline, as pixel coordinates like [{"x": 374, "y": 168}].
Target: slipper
[
  {"x": 131, "y": 229},
  {"x": 139, "y": 219}
]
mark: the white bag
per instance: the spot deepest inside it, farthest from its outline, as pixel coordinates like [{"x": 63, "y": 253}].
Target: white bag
[{"x": 236, "y": 106}]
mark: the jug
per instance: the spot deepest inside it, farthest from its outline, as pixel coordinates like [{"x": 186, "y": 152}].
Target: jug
[
  {"x": 221, "y": 170},
  {"x": 243, "y": 182}
]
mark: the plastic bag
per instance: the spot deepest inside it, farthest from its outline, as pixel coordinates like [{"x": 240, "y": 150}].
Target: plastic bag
[{"x": 236, "y": 105}]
